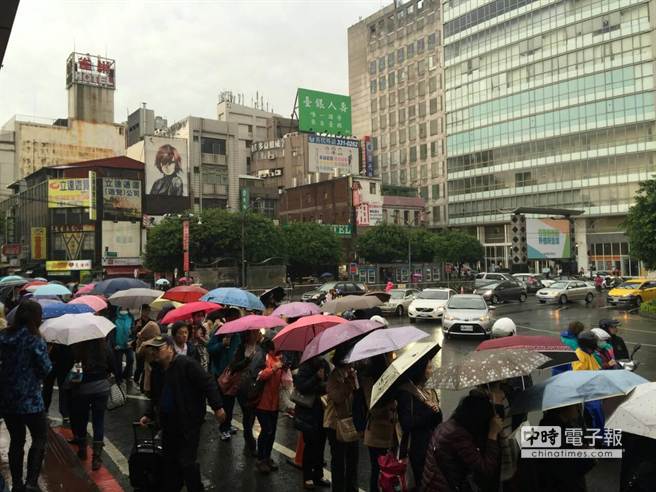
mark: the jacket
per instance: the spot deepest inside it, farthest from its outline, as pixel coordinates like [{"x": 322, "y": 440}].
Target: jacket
[
  {"x": 605, "y": 355},
  {"x": 220, "y": 355},
  {"x": 453, "y": 455},
  {"x": 339, "y": 389},
  {"x": 123, "y": 330},
  {"x": 272, "y": 377},
  {"x": 148, "y": 332},
  {"x": 24, "y": 363},
  {"x": 586, "y": 362},
  {"x": 619, "y": 347},
  {"x": 572, "y": 342},
  {"x": 381, "y": 420},
  {"x": 308, "y": 382}
]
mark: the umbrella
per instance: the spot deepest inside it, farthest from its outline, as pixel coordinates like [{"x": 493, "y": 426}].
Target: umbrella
[
  {"x": 345, "y": 303},
  {"x": 250, "y": 322},
  {"x": 336, "y": 335},
  {"x": 574, "y": 387},
  {"x": 43, "y": 301},
  {"x": 33, "y": 285},
  {"x": 74, "y": 328},
  {"x": 296, "y": 309},
  {"x": 84, "y": 289},
  {"x": 134, "y": 298},
  {"x": 637, "y": 413},
  {"x": 184, "y": 293},
  {"x": 51, "y": 290},
  {"x": 162, "y": 281},
  {"x": 552, "y": 347},
  {"x": 41, "y": 279},
  {"x": 231, "y": 296},
  {"x": 160, "y": 303},
  {"x": 186, "y": 311},
  {"x": 113, "y": 285},
  {"x": 276, "y": 295},
  {"x": 383, "y": 341},
  {"x": 12, "y": 278},
  {"x": 380, "y": 294},
  {"x": 326, "y": 275},
  {"x": 97, "y": 303},
  {"x": 298, "y": 334},
  {"x": 487, "y": 366},
  {"x": 406, "y": 359},
  {"x": 57, "y": 309}
]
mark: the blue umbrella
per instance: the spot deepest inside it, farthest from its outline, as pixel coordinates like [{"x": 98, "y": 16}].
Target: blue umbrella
[
  {"x": 44, "y": 301},
  {"x": 575, "y": 387},
  {"x": 11, "y": 278},
  {"x": 231, "y": 296},
  {"x": 113, "y": 285},
  {"x": 51, "y": 290},
  {"x": 55, "y": 309}
]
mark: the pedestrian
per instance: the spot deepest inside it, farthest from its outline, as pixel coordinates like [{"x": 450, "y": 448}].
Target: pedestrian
[
  {"x": 338, "y": 420},
  {"x": 199, "y": 341},
  {"x": 182, "y": 345},
  {"x": 62, "y": 363},
  {"x": 598, "y": 283},
  {"x": 89, "y": 393},
  {"x": 148, "y": 332},
  {"x": 24, "y": 363},
  {"x": 604, "y": 353},
  {"x": 594, "y": 412},
  {"x": 180, "y": 388},
  {"x": 121, "y": 338},
  {"x": 611, "y": 326},
  {"x": 570, "y": 338},
  {"x": 163, "y": 312},
  {"x": 389, "y": 286},
  {"x": 139, "y": 324},
  {"x": 310, "y": 382},
  {"x": 248, "y": 349},
  {"x": 465, "y": 448},
  {"x": 330, "y": 296}
]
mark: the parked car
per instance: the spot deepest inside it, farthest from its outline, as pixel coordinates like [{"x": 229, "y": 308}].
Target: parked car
[
  {"x": 345, "y": 288},
  {"x": 485, "y": 278},
  {"x": 633, "y": 292},
  {"x": 429, "y": 304},
  {"x": 399, "y": 301},
  {"x": 564, "y": 291},
  {"x": 467, "y": 314},
  {"x": 532, "y": 281},
  {"x": 509, "y": 290}
]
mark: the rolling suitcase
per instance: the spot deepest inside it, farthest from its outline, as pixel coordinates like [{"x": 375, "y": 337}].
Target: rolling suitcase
[{"x": 145, "y": 462}]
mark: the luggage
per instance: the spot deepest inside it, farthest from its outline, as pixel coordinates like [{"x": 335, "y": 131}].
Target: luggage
[{"x": 145, "y": 462}]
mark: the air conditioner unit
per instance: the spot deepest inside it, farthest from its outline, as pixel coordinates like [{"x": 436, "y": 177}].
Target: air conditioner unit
[{"x": 271, "y": 156}]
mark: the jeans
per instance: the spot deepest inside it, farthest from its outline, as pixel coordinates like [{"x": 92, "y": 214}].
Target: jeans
[
  {"x": 343, "y": 463},
  {"x": 80, "y": 407},
  {"x": 268, "y": 423},
  {"x": 374, "y": 453},
  {"x": 248, "y": 420},
  {"x": 38, "y": 426},
  {"x": 129, "y": 362},
  {"x": 315, "y": 442},
  {"x": 228, "y": 408},
  {"x": 180, "y": 456}
]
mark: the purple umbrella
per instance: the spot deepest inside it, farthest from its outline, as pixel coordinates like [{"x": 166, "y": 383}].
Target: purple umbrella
[
  {"x": 297, "y": 309},
  {"x": 336, "y": 335},
  {"x": 383, "y": 341}
]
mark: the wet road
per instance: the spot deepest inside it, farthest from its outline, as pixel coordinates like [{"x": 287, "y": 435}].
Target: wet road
[{"x": 225, "y": 465}]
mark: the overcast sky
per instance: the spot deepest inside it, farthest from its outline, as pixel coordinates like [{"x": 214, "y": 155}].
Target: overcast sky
[{"x": 177, "y": 55}]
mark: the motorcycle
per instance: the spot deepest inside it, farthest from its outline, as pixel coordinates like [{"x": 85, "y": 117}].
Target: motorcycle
[{"x": 630, "y": 364}]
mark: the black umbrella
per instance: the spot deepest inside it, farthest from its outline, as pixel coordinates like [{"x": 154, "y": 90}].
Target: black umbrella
[
  {"x": 273, "y": 296},
  {"x": 111, "y": 286}
]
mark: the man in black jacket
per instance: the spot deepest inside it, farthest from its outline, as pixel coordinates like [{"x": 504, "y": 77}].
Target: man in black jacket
[{"x": 179, "y": 388}]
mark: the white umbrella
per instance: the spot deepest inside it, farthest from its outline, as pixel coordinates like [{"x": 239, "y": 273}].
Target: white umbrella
[
  {"x": 74, "y": 328},
  {"x": 134, "y": 298},
  {"x": 637, "y": 413}
]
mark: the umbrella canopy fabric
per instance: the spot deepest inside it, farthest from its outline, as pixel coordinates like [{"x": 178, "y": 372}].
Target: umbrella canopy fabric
[
  {"x": 84, "y": 289},
  {"x": 345, "y": 303},
  {"x": 297, "y": 309},
  {"x": 97, "y": 303},
  {"x": 250, "y": 322},
  {"x": 12, "y": 278},
  {"x": 637, "y": 413},
  {"x": 185, "y": 293},
  {"x": 380, "y": 294},
  {"x": 43, "y": 301},
  {"x": 487, "y": 366},
  {"x": 112, "y": 285},
  {"x": 231, "y": 296},
  {"x": 51, "y": 290},
  {"x": 552, "y": 347},
  {"x": 574, "y": 387},
  {"x": 274, "y": 295},
  {"x": 186, "y": 311},
  {"x": 406, "y": 359},
  {"x": 336, "y": 335},
  {"x": 162, "y": 281},
  {"x": 57, "y": 309},
  {"x": 160, "y": 302},
  {"x": 74, "y": 328},
  {"x": 32, "y": 285},
  {"x": 297, "y": 335},
  {"x": 134, "y": 298},
  {"x": 383, "y": 341}
]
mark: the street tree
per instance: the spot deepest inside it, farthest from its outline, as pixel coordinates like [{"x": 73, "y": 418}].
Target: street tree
[
  {"x": 164, "y": 246},
  {"x": 384, "y": 243},
  {"x": 423, "y": 244},
  {"x": 640, "y": 224},
  {"x": 309, "y": 245},
  {"x": 458, "y": 247}
]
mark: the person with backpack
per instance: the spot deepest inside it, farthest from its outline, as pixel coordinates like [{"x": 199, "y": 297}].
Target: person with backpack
[{"x": 122, "y": 343}]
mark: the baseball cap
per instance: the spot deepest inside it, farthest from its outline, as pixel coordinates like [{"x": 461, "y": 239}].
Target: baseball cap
[{"x": 159, "y": 341}]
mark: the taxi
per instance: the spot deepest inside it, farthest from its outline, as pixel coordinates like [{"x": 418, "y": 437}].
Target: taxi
[{"x": 633, "y": 292}]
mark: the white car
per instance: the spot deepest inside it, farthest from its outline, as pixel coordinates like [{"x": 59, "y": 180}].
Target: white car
[
  {"x": 467, "y": 314},
  {"x": 429, "y": 304},
  {"x": 399, "y": 302}
]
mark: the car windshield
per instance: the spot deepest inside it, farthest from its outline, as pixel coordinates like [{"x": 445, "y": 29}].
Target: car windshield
[
  {"x": 630, "y": 285},
  {"x": 559, "y": 285},
  {"x": 467, "y": 303},
  {"x": 327, "y": 287},
  {"x": 397, "y": 294},
  {"x": 433, "y": 294}
]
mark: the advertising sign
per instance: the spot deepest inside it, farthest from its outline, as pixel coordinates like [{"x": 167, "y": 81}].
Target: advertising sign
[
  {"x": 167, "y": 175},
  {"x": 38, "y": 243},
  {"x": 244, "y": 199},
  {"x": 92, "y": 195},
  {"x": 341, "y": 230},
  {"x": 68, "y": 265},
  {"x": 369, "y": 156},
  {"x": 95, "y": 71},
  {"x": 325, "y": 154},
  {"x": 68, "y": 193},
  {"x": 185, "y": 246},
  {"x": 121, "y": 198},
  {"x": 548, "y": 239},
  {"x": 323, "y": 112},
  {"x": 13, "y": 249}
]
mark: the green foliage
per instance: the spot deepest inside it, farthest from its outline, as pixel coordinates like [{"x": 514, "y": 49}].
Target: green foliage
[
  {"x": 164, "y": 246},
  {"x": 458, "y": 247},
  {"x": 423, "y": 243},
  {"x": 648, "y": 307},
  {"x": 640, "y": 224},
  {"x": 308, "y": 244},
  {"x": 385, "y": 243}
]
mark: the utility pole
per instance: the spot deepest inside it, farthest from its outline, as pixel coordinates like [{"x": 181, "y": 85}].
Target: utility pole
[{"x": 243, "y": 248}]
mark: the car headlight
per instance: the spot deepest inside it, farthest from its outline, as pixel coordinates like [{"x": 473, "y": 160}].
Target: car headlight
[
  {"x": 484, "y": 318},
  {"x": 487, "y": 293},
  {"x": 449, "y": 318},
  {"x": 441, "y": 309},
  {"x": 316, "y": 296}
]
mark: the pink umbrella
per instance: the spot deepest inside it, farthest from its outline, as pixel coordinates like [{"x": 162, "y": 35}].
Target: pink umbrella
[
  {"x": 85, "y": 289},
  {"x": 186, "y": 311},
  {"x": 297, "y": 335},
  {"x": 336, "y": 335},
  {"x": 296, "y": 309},
  {"x": 96, "y": 303},
  {"x": 250, "y": 322}
]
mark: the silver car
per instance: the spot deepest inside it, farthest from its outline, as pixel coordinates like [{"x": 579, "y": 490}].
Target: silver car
[
  {"x": 467, "y": 314},
  {"x": 399, "y": 301},
  {"x": 565, "y": 291}
]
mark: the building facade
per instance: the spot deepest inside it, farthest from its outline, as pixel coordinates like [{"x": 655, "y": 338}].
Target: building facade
[
  {"x": 549, "y": 104},
  {"x": 396, "y": 89}
]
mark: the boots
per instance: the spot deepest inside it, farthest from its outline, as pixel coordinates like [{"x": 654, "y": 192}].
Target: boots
[
  {"x": 81, "y": 448},
  {"x": 34, "y": 461},
  {"x": 16, "y": 468},
  {"x": 96, "y": 459}
]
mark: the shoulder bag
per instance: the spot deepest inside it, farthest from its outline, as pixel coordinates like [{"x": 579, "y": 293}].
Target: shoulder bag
[
  {"x": 116, "y": 398},
  {"x": 229, "y": 382}
]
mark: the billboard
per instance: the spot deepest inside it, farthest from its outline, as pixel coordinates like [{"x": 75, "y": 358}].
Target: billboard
[
  {"x": 548, "y": 239},
  {"x": 95, "y": 71},
  {"x": 38, "y": 243},
  {"x": 325, "y": 154},
  {"x": 323, "y": 112},
  {"x": 367, "y": 201},
  {"x": 167, "y": 175},
  {"x": 121, "y": 239},
  {"x": 68, "y": 193},
  {"x": 121, "y": 199}
]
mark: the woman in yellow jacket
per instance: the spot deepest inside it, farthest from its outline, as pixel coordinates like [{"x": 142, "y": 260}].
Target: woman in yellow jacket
[{"x": 585, "y": 352}]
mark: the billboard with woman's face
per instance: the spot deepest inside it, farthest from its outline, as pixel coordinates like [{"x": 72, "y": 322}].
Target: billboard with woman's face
[{"x": 167, "y": 175}]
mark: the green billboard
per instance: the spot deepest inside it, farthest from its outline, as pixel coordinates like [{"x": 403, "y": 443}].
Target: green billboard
[{"x": 323, "y": 112}]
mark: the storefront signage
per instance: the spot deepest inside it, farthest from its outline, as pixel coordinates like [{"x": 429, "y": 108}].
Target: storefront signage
[
  {"x": 68, "y": 193},
  {"x": 341, "y": 230},
  {"x": 38, "y": 243},
  {"x": 68, "y": 265},
  {"x": 114, "y": 261}
]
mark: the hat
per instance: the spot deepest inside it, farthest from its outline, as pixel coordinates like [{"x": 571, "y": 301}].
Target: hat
[
  {"x": 159, "y": 341},
  {"x": 604, "y": 324}
]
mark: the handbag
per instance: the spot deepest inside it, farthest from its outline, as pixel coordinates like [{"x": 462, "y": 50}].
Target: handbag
[
  {"x": 303, "y": 399},
  {"x": 229, "y": 382},
  {"x": 346, "y": 431},
  {"x": 392, "y": 476},
  {"x": 116, "y": 398}
]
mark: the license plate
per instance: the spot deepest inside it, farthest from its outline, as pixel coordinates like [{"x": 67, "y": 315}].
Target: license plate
[{"x": 466, "y": 328}]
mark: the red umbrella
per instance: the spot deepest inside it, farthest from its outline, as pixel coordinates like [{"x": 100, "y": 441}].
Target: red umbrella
[
  {"x": 552, "y": 347},
  {"x": 184, "y": 293},
  {"x": 331, "y": 337},
  {"x": 186, "y": 311},
  {"x": 250, "y": 322},
  {"x": 297, "y": 335}
]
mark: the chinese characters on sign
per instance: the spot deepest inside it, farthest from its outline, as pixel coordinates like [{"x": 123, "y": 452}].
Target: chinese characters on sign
[
  {"x": 548, "y": 236},
  {"x": 121, "y": 198},
  {"x": 323, "y": 112},
  {"x": 553, "y": 442},
  {"x": 90, "y": 70},
  {"x": 548, "y": 239},
  {"x": 38, "y": 243},
  {"x": 185, "y": 246},
  {"x": 68, "y": 193},
  {"x": 327, "y": 154}
]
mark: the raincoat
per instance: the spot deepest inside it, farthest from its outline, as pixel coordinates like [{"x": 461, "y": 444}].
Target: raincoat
[
  {"x": 572, "y": 342},
  {"x": 123, "y": 331}
]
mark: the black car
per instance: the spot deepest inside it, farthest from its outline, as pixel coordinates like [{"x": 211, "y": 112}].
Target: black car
[
  {"x": 496, "y": 293},
  {"x": 344, "y": 288}
]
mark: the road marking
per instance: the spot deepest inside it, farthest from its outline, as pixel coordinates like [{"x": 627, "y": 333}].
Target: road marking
[{"x": 556, "y": 333}]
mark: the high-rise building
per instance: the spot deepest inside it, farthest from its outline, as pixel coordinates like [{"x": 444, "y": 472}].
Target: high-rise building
[
  {"x": 395, "y": 84},
  {"x": 549, "y": 104}
]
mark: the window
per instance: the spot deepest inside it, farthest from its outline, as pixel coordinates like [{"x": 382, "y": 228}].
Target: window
[
  {"x": 432, "y": 84},
  {"x": 403, "y": 74},
  {"x": 392, "y": 99},
  {"x": 382, "y": 103},
  {"x": 374, "y": 105},
  {"x": 400, "y": 55},
  {"x": 212, "y": 145},
  {"x": 436, "y": 192},
  {"x": 392, "y": 118},
  {"x": 422, "y": 130},
  {"x": 432, "y": 63},
  {"x": 433, "y": 105},
  {"x": 410, "y": 50},
  {"x": 381, "y": 64},
  {"x": 372, "y": 188},
  {"x": 390, "y": 60},
  {"x": 423, "y": 152},
  {"x": 372, "y": 68},
  {"x": 431, "y": 41},
  {"x": 412, "y": 91},
  {"x": 391, "y": 80},
  {"x": 411, "y": 112},
  {"x": 413, "y": 154},
  {"x": 373, "y": 86},
  {"x": 401, "y": 116},
  {"x": 420, "y": 45},
  {"x": 433, "y": 127},
  {"x": 437, "y": 216},
  {"x": 433, "y": 149},
  {"x": 421, "y": 67}
]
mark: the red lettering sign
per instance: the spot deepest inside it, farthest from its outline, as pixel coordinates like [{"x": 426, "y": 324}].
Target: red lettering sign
[{"x": 85, "y": 63}]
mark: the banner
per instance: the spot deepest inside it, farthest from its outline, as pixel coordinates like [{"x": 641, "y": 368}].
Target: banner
[
  {"x": 185, "y": 246},
  {"x": 121, "y": 199},
  {"x": 92, "y": 195},
  {"x": 325, "y": 154},
  {"x": 166, "y": 166},
  {"x": 68, "y": 193},
  {"x": 38, "y": 243},
  {"x": 548, "y": 239}
]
